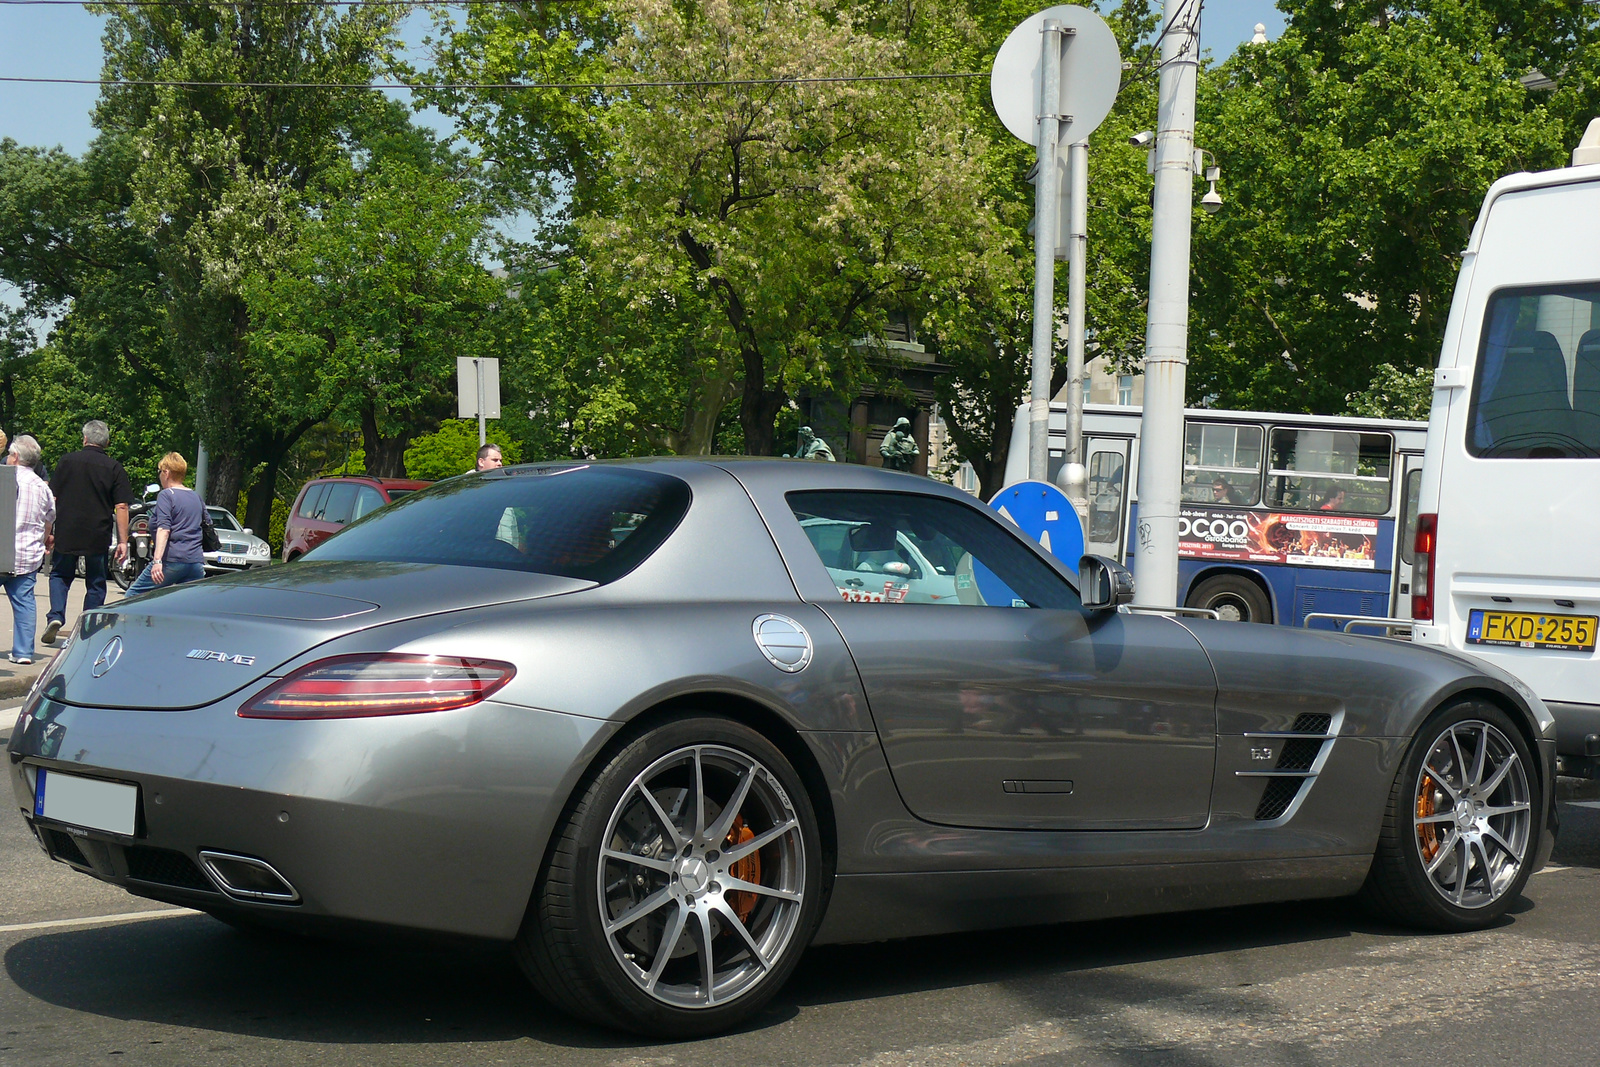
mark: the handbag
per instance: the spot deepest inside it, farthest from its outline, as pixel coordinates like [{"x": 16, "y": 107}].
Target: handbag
[{"x": 209, "y": 541}]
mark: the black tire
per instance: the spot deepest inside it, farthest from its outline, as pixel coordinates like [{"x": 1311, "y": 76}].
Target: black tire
[
  {"x": 1233, "y": 598},
  {"x": 577, "y": 966},
  {"x": 127, "y": 572},
  {"x": 1399, "y": 886}
]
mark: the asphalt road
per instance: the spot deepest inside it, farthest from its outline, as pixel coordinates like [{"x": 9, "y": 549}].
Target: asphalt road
[{"x": 1296, "y": 984}]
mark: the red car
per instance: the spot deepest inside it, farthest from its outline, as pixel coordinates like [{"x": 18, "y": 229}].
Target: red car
[{"x": 326, "y": 504}]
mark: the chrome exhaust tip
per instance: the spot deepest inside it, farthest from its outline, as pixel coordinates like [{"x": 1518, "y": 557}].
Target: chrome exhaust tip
[{"x": 248, "y": 878}]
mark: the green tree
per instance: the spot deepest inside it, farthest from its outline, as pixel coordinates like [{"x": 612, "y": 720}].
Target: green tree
[
  {"x": 452, "y": 449},
  {"x": 1356, "y": 151},
  {"x": 362, "y": 317},
  {"x": 217, "y": 179}
]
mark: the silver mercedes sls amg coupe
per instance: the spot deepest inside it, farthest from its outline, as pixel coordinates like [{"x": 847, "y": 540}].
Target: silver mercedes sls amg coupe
[{"x": 660, "y": 725}]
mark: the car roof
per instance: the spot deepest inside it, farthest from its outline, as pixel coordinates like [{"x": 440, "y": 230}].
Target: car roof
[
  {"x": 369, "y": 479},
  {"x": 782, "y": 474}
]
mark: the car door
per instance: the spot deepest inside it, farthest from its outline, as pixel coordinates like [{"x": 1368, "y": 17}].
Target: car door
[{"x": 1007, "y": 705}]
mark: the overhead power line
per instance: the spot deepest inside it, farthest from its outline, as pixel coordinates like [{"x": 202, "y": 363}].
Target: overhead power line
[{"x": 181, "y": 84}]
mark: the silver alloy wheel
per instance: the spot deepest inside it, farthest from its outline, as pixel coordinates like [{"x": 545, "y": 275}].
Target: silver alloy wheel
[
  {"x": 701, "y": 876},
  {"x": 1472, "y": 814}
]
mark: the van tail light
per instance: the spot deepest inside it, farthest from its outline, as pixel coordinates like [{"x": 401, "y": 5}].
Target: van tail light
[
  {"x": 358, "y": 686},
  {"x": 1422, "y": 569}
]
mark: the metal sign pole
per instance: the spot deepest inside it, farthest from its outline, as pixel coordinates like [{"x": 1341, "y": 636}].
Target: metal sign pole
[
  {"x": 483, "y": 432},
  {"x": 1167, "y": 326},
  {"x": 1044, "y": 250},
  {"x": 1075, "y": 479}
]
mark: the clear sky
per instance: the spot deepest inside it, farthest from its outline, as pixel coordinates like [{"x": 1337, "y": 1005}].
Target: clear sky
[{"x": 64, "y": 42}]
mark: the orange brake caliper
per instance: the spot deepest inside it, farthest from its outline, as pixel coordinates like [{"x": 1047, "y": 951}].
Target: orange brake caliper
[
  {"x": 746, "y": 870},
  {"x": 1427, "y": 833}
]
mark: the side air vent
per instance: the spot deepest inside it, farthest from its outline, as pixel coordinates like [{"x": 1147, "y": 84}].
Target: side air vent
[
  {"x": 1311, "y": 723},
  {"x": 163, "y": 866},
  {"x": 1299, "y": 754},
  {"x": 1303, "y": 748},
  {"x": 1277, "y": 797}
]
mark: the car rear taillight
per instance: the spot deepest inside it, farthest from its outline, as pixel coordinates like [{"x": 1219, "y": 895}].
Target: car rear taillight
[
  {"x": 351, "y": 687},
  {"x": 1422, "y": 568}
]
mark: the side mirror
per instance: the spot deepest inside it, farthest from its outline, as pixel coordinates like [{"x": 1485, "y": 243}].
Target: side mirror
[
  {"x": 1103, "y": 584},
  {"x": 153, "y": 487},
  {"x": 247, "y": 530}
]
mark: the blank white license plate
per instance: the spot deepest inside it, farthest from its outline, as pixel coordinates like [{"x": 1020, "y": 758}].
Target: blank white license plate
[
  {"x": 86, "y": 802},
  {"x": 233, "y": 561}
]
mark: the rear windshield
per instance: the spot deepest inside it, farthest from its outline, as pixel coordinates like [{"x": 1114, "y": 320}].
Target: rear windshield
[
  {"x": 590, "y": 523},
  {"x": 1536, "y": 393}
]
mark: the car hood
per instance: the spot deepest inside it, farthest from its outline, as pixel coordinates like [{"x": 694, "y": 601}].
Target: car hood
[{"x": 188, "y": 646}]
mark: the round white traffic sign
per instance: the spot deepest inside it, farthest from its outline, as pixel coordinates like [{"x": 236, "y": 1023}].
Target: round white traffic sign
[{"x": 1091, "y": 74}]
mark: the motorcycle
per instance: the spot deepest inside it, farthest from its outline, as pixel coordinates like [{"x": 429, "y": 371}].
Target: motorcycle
[{"x": 141, "y": 542}]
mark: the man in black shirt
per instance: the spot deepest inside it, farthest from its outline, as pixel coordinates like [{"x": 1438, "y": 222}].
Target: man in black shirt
[{"x": 91, "y": 490}]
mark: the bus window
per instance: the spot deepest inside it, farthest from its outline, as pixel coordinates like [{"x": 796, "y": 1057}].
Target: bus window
[
  {"x": 1221, "y": 463},
  {"x": 1408, "y": 518},
  {"x": 1105, "y": 497},
  {"x": 1536, "y": 392},
  {"x": 1330, "y": 470}
]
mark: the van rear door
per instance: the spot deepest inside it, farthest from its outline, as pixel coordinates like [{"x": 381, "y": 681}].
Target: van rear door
[{"x": 1516, "y": 442}]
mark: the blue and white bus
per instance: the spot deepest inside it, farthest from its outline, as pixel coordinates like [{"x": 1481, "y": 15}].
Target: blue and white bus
[{"x": 1283, "y": 515}]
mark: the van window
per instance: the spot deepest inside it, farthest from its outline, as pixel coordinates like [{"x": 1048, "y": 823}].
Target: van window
[
  {"x": 368, "y": 500},
  {"x": 309, "y": 502},
  {"x": 336, "y": 507},
  {"x": 1329, "y": 470},
  {"x": 1536, "y": 390},
  {"x": 1221, "y": 463}
]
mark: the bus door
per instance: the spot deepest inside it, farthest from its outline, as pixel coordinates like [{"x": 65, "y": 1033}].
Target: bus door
[
  {"x": 1406, "y": 534},
  {"x": 1108, "y": 496}
]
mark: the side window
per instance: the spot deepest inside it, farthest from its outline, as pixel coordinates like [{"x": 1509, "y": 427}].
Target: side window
[
  {"x": 368, "y": 500},
  {"x": 1408, "y": 518},
  {"x": 1329, "y": 470},
  {"x": 1221, "y": 463},
  {"x": 338, "y": 504},
  {"x": 1536, "y": 390},
  {"x": 1105, "y": 497},
  {"x": 905, "y": 548},
  {"x": 309, "y": 502}
]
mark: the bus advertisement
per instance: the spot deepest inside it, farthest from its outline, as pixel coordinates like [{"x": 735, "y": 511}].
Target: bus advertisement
[{"x": 1283, "y": 515}]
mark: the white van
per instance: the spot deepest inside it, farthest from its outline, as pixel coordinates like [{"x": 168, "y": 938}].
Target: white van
[{"x": 1508, "y": 539}]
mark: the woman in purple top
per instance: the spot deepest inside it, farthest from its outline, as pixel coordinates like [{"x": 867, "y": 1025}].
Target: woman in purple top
[{"x": 179, "y": 555}]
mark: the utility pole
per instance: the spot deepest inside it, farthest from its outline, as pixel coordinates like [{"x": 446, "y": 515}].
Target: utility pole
[
  {"x": 1166, "y": 344},
  {"x": 1046, "y": 228},
  {"x": 202, "y": 468},
  {"x": 483, "y": 432},
  {"x": 1074, "y": 479}
]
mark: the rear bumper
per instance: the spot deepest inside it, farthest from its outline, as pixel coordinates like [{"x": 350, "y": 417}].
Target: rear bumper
[
  {"x": 434, "y": 822},
  {"x": 1575, "y": 723}
]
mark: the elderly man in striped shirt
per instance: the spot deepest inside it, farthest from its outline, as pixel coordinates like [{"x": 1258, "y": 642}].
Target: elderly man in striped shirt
[{"x": 36, "y": 517}]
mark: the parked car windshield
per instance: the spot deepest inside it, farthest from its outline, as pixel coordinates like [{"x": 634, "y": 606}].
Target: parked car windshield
[
  {"x": 591, "y": 523},
  {"x": 223, "y": 519}
]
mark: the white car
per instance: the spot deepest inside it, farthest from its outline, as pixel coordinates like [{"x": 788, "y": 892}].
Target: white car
[{"x": 241, "y": 548}]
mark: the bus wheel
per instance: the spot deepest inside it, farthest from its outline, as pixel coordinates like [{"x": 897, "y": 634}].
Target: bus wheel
[{"x": 1233, "y": 598}]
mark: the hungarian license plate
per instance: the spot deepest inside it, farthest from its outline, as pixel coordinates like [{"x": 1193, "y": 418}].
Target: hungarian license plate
[
  {"x": 1526, "y": 629},
  {"x": 87, "y": 802},
  {"x": 233, "y": 561}
]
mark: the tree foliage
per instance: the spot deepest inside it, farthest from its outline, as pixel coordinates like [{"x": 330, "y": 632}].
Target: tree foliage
[{"x": 1357, "y": 149}]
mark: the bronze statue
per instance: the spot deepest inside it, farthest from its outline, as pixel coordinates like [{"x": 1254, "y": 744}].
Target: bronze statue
[
  {"x": 899, "y": 448},
  {"x": 812, "y": 446}
]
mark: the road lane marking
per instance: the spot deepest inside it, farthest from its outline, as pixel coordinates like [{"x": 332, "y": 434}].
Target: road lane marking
[
  {"x": 1550, "y": 867},
  {"x": 1584, "y": 803},
  {"x": 91, "y": 920}
]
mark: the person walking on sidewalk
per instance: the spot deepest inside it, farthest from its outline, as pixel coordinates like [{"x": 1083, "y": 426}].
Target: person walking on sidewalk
[
  {"x": 180, "y": 517},
  {"x": 36, "y": 516},
  {"x": 92, "y": 492}
]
